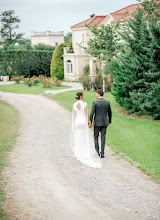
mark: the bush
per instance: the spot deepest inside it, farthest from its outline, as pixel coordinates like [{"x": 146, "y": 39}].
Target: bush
[
  {"x": 98, "y": 83},
  {"x": 35, "y": 80},
  {"x": 25, "y": 81},
  {"x": 57, "y": 66},
  {"x": 15, "y": 62},
  {"x": 46, "y": 82},
  {"x": 85, "y": 79},
  {"x": 56, "y": 81},
  {"x": 17, "y": 79}
]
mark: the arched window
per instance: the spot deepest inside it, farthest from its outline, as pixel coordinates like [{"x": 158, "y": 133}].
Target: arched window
[{"x": 69, "y": 67}]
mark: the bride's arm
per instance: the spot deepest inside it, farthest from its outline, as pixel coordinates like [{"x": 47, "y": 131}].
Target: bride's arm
[{"x": 87, "y": 117}]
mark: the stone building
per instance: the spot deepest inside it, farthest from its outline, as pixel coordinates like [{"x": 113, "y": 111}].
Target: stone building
[
  {"x": 76, "y": 59},
  {"x": 47, "y": 37}
]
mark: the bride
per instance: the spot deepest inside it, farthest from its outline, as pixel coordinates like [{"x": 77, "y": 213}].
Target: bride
[{"x": 81, "y": 140}]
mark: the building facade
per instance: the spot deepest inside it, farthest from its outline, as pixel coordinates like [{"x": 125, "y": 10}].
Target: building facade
[
  {"x": 47, "y": 37},
  {"x": 76, "y": 59}
]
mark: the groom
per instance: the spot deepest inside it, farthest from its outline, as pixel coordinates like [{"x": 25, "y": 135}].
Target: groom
[{"x": 100, "y": 109}]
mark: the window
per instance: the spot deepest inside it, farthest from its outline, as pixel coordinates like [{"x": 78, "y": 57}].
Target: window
[{"x": 69, "y": 67}]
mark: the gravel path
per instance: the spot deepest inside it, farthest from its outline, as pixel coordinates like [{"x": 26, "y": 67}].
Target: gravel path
[
  {"x": 75, "y": 86},
  {"x": 44, "y": 182}
]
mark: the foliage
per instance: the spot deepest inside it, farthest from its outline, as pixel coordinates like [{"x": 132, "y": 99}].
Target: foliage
[
  {"x": 34, "y": 80},
  {"x": 98, "y": 82},
  {"x": 57, "y": 66},
  {"x": 151, "y": 8},
  {"x": 137, "y": 75},
  {"x": 104, "y": 44},
  {"x": 25, "y": 81},
  {"x": 41, "y": 46},
  {"x": 46, "y": 82},
  {"x": 17, "y": 79},
  {"x": 16, "y": 61},
  {"x": 9, "y": 22},
  {"x": 24, "y": 41},
  {"x": 56, "y": 81},
  {"x": 70, "y": 50},
  {"x": 68, "y": 38},
  {"x": 85, "y": 79}
]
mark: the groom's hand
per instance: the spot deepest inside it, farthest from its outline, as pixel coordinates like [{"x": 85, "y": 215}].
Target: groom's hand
[
  {"x": 90, "y": 125},
  {"x": 109, "y": 124}
]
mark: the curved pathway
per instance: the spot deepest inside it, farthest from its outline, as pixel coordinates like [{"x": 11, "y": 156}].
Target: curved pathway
[
  {"x": 44, "y": 182},
  {"x": 74, "y": 86}
]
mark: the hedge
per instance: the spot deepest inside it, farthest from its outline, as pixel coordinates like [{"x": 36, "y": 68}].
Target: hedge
[{"x": 15, "y": 62}]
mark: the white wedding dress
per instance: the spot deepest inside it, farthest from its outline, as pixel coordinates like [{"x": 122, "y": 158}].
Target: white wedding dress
[{"x": 82, "y": 142}]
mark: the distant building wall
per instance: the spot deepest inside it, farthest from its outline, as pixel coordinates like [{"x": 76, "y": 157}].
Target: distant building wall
[{"x": 48, "y": 38}]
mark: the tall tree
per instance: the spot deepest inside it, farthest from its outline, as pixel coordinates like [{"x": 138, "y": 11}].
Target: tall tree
[
  {"x": 151, "y": 8},
  {"x": 68, "y": 38},
  {"x": 137, "y": 83},
  {"x": 9, "y": 22},
  {"x": 103, "y": 45},
  {"x": 57, "y": 65}
]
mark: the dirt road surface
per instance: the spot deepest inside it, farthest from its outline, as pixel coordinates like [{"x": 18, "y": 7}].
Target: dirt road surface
[{"x": 44, "y": 182}]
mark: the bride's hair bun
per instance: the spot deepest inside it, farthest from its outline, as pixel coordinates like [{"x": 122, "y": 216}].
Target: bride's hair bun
[{"x": 78, "y": 95}]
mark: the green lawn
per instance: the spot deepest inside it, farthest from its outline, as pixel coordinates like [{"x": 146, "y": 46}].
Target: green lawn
[
  {"x": 8, "y": 133},
  {"x": 24, "y": 89},
  {"x": 132, "y": 137}
]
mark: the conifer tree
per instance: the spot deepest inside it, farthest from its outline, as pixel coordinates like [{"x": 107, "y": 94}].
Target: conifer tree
[
  {"x": 57, "y": 66},
  {"x": 151, "y": 105},
  {"x": 138, "y": 74}
]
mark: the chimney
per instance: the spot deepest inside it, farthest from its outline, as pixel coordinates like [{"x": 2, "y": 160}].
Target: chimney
[{"x": 91, "y": 16}]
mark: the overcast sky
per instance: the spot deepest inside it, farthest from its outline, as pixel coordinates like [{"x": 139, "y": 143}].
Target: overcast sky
[{"x": 58, "y": 15}]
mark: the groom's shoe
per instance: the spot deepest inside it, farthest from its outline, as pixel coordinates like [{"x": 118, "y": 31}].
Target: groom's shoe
[{"x": 102, "y": 155}]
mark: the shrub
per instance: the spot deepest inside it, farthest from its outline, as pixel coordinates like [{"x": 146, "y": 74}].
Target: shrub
[
  {"x": 47, "y": 82},
  {"x": 15, "y": 62},
  {"x": 17, "y": 79},
  {"x": 25, "y": 81},
  {"x": 85, "y": 79},
  {"x": 98, "y": 83},
  {"x": 57, "y": 66},
  {"x": 56, "y": 81},
  {"x": 35, "y": 80}
]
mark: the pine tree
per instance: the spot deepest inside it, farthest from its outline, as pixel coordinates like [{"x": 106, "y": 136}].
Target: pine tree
[
  {"x": 138, "y": 74},
  {"x": 151, "y": 105},
  {"x": 129, "y": 80}
]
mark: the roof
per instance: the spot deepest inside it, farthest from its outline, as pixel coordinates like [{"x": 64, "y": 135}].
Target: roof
[
  {"x": 125, "y": 12},
  {"x": 98, "y": 20}
]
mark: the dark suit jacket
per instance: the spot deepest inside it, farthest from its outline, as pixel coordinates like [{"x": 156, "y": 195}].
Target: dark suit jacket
[{"x": 100, "y": 109}]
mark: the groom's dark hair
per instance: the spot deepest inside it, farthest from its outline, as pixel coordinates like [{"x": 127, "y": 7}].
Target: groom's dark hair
[{"x": 100, "y": 92}]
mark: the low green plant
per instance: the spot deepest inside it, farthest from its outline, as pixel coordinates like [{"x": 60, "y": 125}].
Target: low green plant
[
  {"x": 17, "y": 79},
  {"x": 85, "y": 79},
  {"x": 98, "y": 82},
  {"x": 47, "y": 82},
  {"x": 35, "y": 80},
  {"x": 56, "y": 81},
  {"x": 25, "y": 81}
]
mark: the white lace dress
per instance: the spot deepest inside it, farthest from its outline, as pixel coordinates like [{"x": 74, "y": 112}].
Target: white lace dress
[{"x": 82, "y": 142}]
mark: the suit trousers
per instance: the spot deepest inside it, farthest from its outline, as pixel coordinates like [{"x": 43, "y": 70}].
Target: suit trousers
[{"x": 97, "y": 130}]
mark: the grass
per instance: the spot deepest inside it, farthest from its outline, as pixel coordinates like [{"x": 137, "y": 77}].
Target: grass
[
  {"x": 8, "y": 133},
  {"x": 24, "y": 89},
  {"x": 135, "y": 138}
]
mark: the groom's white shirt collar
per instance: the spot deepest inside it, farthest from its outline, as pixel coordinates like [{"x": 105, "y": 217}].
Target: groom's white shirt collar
[{"x": 100, "y": 98}]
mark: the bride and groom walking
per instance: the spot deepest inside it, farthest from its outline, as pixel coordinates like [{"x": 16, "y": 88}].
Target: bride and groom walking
[{"x": 85, "y": 149}]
